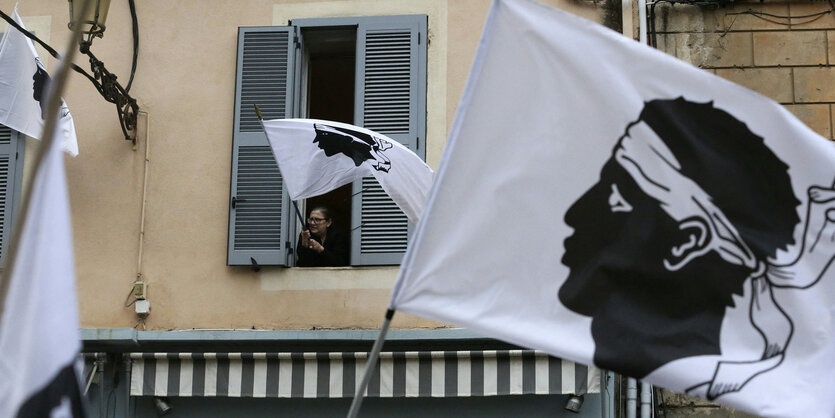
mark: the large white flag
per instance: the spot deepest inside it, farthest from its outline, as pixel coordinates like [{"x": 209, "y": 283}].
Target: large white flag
[
  {"x": 23, "y": 85},
  {"x": 317, "y": 156},
  {"x": 39, "y": 338},
  {"x": 609, "y": 204}
]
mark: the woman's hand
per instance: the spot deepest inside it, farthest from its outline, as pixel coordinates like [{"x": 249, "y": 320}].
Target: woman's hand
[
  {"x": 311, "y": 244},
  {"x": 315, "y": 246}
]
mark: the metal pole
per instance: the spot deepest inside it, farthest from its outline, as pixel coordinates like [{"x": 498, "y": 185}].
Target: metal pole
[
  {"x": 607, "y": 390},
  {"x": 646, "y": 400},
  {"x": 369, "y": 365},
  {"x": 631, "y": 398},
  {"x": 47, "y": 138},
  {"x": 642, "y": 21}
]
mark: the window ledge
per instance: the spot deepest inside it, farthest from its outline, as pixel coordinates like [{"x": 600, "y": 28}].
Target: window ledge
[{"x": 329, "y": 278}]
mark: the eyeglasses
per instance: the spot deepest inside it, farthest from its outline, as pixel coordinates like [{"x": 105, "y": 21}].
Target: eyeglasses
[{"x": 315, "y": 220}]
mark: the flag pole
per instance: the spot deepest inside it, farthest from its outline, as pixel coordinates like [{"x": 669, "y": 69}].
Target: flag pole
[
  {"x": 295, "y": 205},
  {"x": 369, "y": 365},
  {"x": 47, "y": 138}
]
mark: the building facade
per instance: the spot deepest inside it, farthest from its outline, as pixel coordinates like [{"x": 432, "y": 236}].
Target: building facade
[
  {"x": 184, "y": 238},
  {"x": 195, "y": 213}
]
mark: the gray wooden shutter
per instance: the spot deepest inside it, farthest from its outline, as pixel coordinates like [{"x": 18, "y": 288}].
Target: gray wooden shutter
[
  {"x": 11, "y": 168},
  {"x": 390, "y": 99},
  {"x": 258, "y": 206}
]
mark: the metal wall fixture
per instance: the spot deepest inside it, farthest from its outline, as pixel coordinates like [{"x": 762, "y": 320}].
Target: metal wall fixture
[{"x": 93, "y": 26}]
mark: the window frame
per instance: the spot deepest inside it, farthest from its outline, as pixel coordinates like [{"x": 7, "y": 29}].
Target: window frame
[{"x": 297, "y": 100}]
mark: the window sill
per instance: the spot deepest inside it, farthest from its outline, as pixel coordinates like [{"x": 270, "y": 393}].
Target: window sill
[{"x": 329, "y": 278}]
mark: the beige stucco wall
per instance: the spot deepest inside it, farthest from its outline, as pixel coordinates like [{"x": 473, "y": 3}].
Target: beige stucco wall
[{"x": 185, "y": 87}]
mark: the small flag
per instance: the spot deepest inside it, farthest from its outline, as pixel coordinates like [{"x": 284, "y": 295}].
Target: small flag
[
  {"x": 39, "y": 337},
  {"x": 23, "y": 85},
  {"x": 606, "y": 203},
  {"x": 317, "y": 156}
]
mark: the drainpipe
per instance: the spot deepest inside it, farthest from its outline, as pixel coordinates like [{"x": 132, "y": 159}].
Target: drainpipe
[
  {"x": 626, "y": 18},
  {"x": 646, "y": 400},
  {"x": 631, "y": 397}
]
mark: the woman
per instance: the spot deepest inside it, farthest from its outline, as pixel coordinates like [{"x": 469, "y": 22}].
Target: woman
[{"x": 321, "y": 245}]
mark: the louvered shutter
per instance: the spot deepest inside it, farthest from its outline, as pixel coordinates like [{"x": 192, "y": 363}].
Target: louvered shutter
[
  {"x": 390, "y": 99},
  {"x": 258, "y": 206},
  {"x": 11, "y": 157}
]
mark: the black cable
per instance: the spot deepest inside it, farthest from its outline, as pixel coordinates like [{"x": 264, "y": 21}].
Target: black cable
[
  {"x": 135, "y": 42},
  {"x": 652, "y": 25}
]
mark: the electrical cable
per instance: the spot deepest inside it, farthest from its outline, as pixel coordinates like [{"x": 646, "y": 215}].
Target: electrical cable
[
  {"x": 135, "y": 42},
  {"x": 127, "y": 305}
]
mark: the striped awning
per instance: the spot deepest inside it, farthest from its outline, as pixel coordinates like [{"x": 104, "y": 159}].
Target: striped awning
[{"x": 336, "y": 374}]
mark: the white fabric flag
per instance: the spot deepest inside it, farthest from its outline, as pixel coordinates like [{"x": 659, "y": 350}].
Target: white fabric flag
[
  {"x": 39, "y": 337},
  {"x": 609, "y": 204},
  {"x": 23, "y": 85},
  {"x": 317, "y": 156}
]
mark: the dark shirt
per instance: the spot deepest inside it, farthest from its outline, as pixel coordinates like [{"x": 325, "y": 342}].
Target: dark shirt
[{"x": 335, "y": 254}]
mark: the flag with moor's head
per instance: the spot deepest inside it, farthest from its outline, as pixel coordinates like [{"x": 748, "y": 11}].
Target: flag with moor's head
[
  {"x": 317, "y": 156},
  {"x": 609, "y": 204}
]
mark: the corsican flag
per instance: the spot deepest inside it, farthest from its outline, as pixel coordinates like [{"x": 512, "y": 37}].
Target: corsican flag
[
  {"x": 39, "y": 338},
  {"x": 23, "y": 85},
  {"x": 317, "y": 156},
  {"x": 609, "y": 204}
]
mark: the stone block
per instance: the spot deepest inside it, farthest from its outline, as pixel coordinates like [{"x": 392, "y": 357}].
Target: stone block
[
  {"x": 677, "y": 405},
  {"x": 666, "y": 42},
  {"x": 800, "y": 12},
  {"x": 673, "y": 18},
  {"x": 790, "y": 48},
  {"x": 774, "y": 83},
  {"x": 814, "y": 84},
  {"x": 830, "y": 36},
  {"x": 732, "y": 49},
  {"x": 815, "y": 116}
]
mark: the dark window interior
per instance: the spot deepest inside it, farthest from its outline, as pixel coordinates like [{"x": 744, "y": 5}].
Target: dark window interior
[{"x": 330, "y": 83}]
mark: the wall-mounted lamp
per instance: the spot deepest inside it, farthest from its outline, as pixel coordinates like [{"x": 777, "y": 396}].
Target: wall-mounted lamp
[
  {"x": 162, "y": 406},
  {"x": 93, "y": 27},
  {"x": 574, "y": 403},
  {"x": 93, "y": 21}
]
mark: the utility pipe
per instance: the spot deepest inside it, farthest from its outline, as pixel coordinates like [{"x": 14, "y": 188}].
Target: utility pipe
[
  {"x": 646, "y": 400},
  {"x": 626, "y": 18},
  {"x": 144, "y": 193},
  {"x": 631, "y": 398}
]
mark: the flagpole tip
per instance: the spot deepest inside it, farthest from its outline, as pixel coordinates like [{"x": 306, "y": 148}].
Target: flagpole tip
[{"x": 258, "y": 111}]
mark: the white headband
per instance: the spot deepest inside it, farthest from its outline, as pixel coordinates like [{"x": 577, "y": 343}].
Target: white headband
[{"x": 656, "y": 171}]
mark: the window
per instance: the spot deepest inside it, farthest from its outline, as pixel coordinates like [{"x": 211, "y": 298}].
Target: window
[
  {"x": 12, "y": 145},
  {"x": 367, "y": 71}
]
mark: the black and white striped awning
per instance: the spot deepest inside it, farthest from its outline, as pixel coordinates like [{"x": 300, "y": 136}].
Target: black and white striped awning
[{"x": 336, "y": 374}]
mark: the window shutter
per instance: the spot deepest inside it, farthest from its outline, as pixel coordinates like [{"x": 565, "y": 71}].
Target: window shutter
[
  {"x": 258, "y": 206},
  {"x": 11, "y": 158},
  {"x": 390, "y": 99}
]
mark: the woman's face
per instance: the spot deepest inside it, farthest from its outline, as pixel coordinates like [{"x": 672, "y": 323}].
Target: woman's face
[{"x": 317, "y": 223}]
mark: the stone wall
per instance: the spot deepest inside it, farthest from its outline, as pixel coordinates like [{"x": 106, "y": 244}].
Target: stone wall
[{"x": 784, "y": 50}]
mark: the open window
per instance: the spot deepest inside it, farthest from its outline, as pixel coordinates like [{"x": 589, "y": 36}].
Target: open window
[{"x": 366, "y": 71}]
